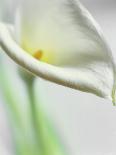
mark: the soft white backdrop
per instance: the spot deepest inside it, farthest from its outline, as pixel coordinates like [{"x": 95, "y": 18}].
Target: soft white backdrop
[{"x": 86, "y": 123}]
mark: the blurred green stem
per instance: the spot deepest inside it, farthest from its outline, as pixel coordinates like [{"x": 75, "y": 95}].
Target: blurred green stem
[
  {"x": 20, "y": 120},
  {"x": 46, "y": 138},
  {"x": 32, "y": 131},
  {"x": 30, "y": 90}
]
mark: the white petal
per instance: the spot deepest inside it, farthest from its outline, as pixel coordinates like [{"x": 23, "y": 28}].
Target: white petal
[
  {"x": 70, "y": 40},
  {"x": 100, "y": 85},
  {"x": 63, "y": 30}
]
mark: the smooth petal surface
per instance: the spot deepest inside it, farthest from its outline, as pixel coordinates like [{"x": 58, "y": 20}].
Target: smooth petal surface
[
  {"x": 62, "y": 30},
  {"x": 70, "y": 40},
  {"x": 77, "y": 79}
]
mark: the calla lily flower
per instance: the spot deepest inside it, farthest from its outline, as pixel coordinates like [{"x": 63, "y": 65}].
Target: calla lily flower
[{"x": 60, "y": 41}]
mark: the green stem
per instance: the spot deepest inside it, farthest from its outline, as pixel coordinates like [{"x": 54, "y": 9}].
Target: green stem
[
  {"x": 20, "y": 120},
  {"x": 33, "y": 133},
  {"x": 46, "y": 137},
  {"x": 29, "y": 86}
]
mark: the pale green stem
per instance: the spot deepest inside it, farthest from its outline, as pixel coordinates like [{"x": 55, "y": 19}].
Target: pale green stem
[
  {"x": 24, "y": 143},
  {"x": 43, "y": 140},
  {"x": 29, "y": 85},
  {"x": 46, "y": 138}
]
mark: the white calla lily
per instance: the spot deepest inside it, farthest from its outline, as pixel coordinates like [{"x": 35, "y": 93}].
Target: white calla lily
[{"x": 68, "y": 43}]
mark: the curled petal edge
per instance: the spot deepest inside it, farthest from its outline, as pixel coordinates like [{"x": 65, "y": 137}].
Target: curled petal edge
[{"x": 41, "y": 69}]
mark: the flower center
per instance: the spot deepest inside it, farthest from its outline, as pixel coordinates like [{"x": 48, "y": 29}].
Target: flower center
[{"x": 38, "y": 54}]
